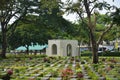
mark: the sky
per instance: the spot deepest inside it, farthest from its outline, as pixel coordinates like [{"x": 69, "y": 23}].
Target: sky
[{"x": 73, "y": 17}]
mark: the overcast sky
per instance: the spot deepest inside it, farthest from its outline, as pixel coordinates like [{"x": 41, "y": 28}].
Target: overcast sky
[{"x": 73, "y": 17}]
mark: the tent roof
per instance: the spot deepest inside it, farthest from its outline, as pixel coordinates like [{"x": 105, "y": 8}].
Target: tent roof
[{"x": 33, "y": 47}]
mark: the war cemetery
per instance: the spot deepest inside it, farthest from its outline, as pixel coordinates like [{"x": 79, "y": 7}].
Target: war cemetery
[{"x": 59, "y": 40}]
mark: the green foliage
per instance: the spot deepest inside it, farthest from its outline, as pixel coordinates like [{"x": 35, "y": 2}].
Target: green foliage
[
  {"x": 25, "y": 34},
  {"x": 38, "y": 29},
  {"x": 3, "y": 4},
  {"x": 1, "y": 58},
  {"x": 114, "y": 32},
  {"x": 91, "y": 10},
  {"x": 99, "y": 27},
  {"x": 102, "y": 5},
  {"x": 86, "y": 53},
  {"x": 0, "y": 38},
  {"x": 108, "y": 53},
  {"x": 57, "y": 25},
  {"x": 47, "y": 4},
  {"x": 116, "y": 16},
  {"x": 81, "y": 32},
  {"x": 10, "y": 9}
]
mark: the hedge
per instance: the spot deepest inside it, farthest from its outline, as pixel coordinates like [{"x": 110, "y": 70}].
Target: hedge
[{"x": 106, "y": 53}]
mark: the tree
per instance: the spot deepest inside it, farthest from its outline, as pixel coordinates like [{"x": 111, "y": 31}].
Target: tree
[
  {"x": 54, "y": 22},
  {"x": 27, "y": 34},
  {"x": 10, "y": 9},
  {"x": 15, "y": 9},
  {"x": 87, "y": 9},
  {"x": 38, "y": 29}
]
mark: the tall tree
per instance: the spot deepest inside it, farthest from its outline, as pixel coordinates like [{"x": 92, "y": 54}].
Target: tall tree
[
  {"x": 10, "y": 9},
  {"x": 27, "y": 33},
  {"x": 53, "y": 20},
  {"x": 89, "y": 8},
  {"x": 48, "y": 24}
]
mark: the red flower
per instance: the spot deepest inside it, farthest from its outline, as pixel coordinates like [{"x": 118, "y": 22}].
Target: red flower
[
  {"x": 79, "y": 75},
  {"x": 67, "y": 72},
  {"x": 9, "y": 71}
]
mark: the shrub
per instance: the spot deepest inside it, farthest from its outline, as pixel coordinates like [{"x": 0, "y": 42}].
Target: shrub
[
  {"x": 7, "y": 76},
  {"x": 79, "y": 74},
  {"x": 66, "y": 73},
  {"x": 86, "y": 53},
  {"x": 106, "y": 53}
]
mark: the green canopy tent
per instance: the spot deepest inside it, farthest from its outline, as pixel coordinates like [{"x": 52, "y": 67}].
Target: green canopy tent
[
  {"x": 33, "y": 47},
  {"x": 21, "y": 48}
]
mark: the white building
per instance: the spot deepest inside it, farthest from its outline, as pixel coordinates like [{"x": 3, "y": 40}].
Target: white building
[{"x": 62, "y": 48}]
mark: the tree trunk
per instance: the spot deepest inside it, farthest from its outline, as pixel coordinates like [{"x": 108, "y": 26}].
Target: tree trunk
[
  {"x": 27, "y": 51},
  {"x": 4, "y": 41},
  {"x": 94, "y": 49},
  {"x": 93, "y": 40},
  {"x": 79, "y": 50},
  {"x": 89, "y": 44},
  {"x": 95, "y": 53}
]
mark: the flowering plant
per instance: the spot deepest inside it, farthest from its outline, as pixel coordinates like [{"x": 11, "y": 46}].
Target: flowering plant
[
  {"x": 79, "y": 73},
  {"x": 8, "y": 75},
  {"x": 66, "y": 73},
  {"x": 9, "y": 71},
  {"x": 113, "y": 60}
]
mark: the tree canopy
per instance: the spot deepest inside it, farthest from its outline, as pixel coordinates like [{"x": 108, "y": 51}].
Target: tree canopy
[
  {"x": 87, "y": 9},
  {"x": 38, "y": 21},
  {"x": 39, "y": 28},
  {"x": 18, "y": 9}
]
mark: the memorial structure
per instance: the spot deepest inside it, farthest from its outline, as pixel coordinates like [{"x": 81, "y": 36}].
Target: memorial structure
[{"x": 62, "y": 48}]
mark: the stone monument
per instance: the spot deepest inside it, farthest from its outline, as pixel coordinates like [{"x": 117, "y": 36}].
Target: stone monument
[{"x": 62, "y": 48}]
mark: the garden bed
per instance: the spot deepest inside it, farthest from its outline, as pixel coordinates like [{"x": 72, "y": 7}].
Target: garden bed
[{"x": 61, "y": 68}]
